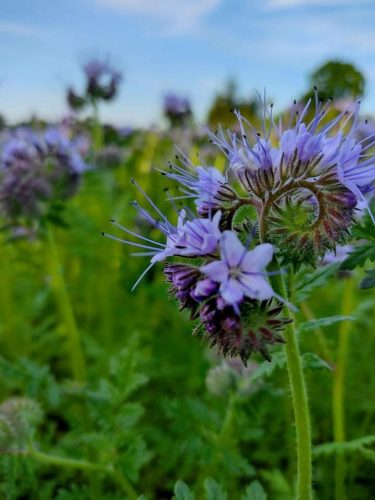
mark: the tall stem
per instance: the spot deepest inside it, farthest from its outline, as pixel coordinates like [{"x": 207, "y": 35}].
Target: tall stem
[
  {"x": 299, "y": 399},
  {"x": 65, "y": 309},
  {"x": 97, "y": 130},
  {"x": 338, "y": 407}
]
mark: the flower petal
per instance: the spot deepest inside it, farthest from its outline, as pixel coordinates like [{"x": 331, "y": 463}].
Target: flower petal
[
  {"x": 256, "y": 286},
  {"x": 256, "y": 260},
  {"x": 232, "y": 249},
  {"x": 232, "y": 291},
  {"x": 216, "y": 270}
]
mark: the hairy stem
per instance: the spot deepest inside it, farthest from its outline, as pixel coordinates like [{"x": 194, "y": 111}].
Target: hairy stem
[
  {"x": 65, "y": 310},
  {"x": 338, "y": 407},
  {"x": 299, "y": 398}
]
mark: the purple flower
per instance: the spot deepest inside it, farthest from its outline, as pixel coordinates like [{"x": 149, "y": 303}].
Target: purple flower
[
  {"x": 102, "y": 79},
  {"x": 207, "y": 185},
  {"x": 37, "y": 169},
  {"x": 240, "y": 272},
  {"x": 304, "y": 142}
]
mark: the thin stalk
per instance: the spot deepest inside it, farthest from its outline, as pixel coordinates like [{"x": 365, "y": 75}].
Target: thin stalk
[
  {"x": 58, "y": 284},
  {"x": 97, "y": 129},
  {"x": 299, "y": 398},
  {"x": 9, "y": 316},
  {"x": 84, "y": 465},
  {"x": 338, "y": 393}
]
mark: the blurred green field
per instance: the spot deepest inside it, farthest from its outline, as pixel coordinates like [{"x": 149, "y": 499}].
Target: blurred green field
[{"x": 146, "y": 413}]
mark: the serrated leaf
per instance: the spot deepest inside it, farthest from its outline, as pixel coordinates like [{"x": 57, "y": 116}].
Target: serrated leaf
[
  {"x": 213, "y": 490},
  {"x": 307, "y": 282},
  {"x": 243, "y": 215},
  {"x": 182, "y": 491},
  {"x": 345, "y": 447},
  {"x": 313, "y": 324},
  {"x": 254, "y": 491},
  {"x": 368, "y": 281},
  {"x": 312, "y": 361},
  {"x": 359, "y": 256},
  {"x": 266, "y": 368}
]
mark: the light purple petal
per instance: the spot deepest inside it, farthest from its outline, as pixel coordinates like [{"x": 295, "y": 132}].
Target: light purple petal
[
  {"x": 205, "y": 288},
  {"x": 232, "y": 292},
  {"x": 216, "y": 270},
  {"x": 256, "y": 287},
  {"x": 232, "y": 249},
  {"x": 257, "y": 259}
]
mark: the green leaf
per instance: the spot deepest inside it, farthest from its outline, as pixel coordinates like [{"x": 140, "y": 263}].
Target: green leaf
[
  {"x": 312, "y": 361},
  {"x": 356, "y": 445},
  {"x": 369, "y": 280},
  {"x": 244, "y": 215},
  {"x": 313, "y": 324},
  {"x": 266, "y": 368},
  {"x": 213, "y": 490},
  {"x": 359, "y": 256},
  {"x": 307, "y": 282},
  {"x": 254, "y": 491},
  {"x": 182, "y": 491}
]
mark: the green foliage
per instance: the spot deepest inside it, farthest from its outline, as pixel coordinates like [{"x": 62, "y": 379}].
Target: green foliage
[
  {"x": 144, "y": 417},
  {"x": 182, "y": 491},
  {"x": 254, "y": 491},
  {"x": 221, "y": 109},
  {"x": 307, "y": 282},
  {"x": 369, "y": 280},
  {"x": 339, "y": 80},
  {"x": 355, "y": 446},
  {"x": 213, "y": 490},
  {"x": 314, "y": 324}
]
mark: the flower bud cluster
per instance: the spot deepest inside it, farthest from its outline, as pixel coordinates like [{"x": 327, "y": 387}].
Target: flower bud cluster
[
  {"x": 37, "y": 170},
  {"x": 102, "y": 82}
]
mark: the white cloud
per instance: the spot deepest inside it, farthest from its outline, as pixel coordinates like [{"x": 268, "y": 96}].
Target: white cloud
[
  {"x": 12, "y": 28},
  {"x": 284, "y": 4},
  {"x": 176, "y": 16}
]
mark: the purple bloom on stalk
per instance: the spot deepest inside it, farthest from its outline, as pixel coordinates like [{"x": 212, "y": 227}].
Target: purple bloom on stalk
[
  {"x": 207, "y": 185},
  {"x": 240, "y": 272}
]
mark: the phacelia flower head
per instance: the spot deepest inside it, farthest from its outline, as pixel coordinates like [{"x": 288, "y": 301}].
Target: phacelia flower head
[
  {"x": 102, "y": 79},
  {"x": 37, "y": 170},
  {"x": 102, "y": 83},
  {"x": 177, "y": 109},
  {"x": 305, "y": 176},
  {"x": 287, "y": 195},
  {"x": 205, "y": 184}
]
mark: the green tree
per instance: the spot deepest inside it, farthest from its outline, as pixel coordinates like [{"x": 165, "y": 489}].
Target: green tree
[
  {"x": 224, "y": 102},
  {"x": 337, "y": 79}
]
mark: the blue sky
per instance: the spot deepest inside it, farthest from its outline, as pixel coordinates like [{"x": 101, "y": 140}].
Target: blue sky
[{"x": 188, "y": 46}]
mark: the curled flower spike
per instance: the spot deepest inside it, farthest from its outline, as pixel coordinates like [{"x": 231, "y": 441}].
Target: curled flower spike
[{"x": 289, "y": 191}]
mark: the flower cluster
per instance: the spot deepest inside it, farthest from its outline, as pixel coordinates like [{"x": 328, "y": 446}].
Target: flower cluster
[
  {"x": 37, "y": 170},
  {"x": 300, "y": 183},
  {"x": 102, "y": 82},
  {"x": 177, "y": 109}
]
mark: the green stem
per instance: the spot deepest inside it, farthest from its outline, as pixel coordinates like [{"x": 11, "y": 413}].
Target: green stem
[
  {"x": 9, "y": 317},
  {"x": 299, "y": 398},
  {"x": 84, "y": 465},
  {"x": 338, "y": 389},
  {"x": 65, "y": 309},
  {"x": 97, "y": 129}
]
